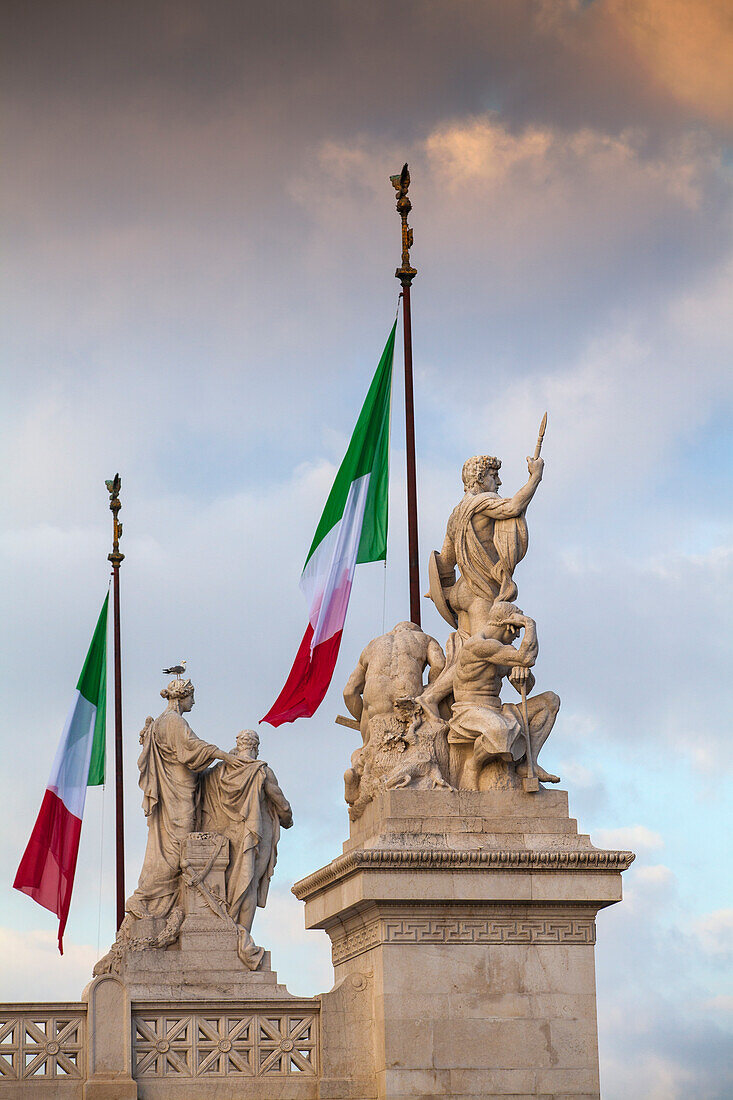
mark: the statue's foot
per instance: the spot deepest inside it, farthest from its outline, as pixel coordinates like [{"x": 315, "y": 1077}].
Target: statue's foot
[
  {"x": 546, "y": 777},
  {"x": 540, "y": 773},
  {"x": 398, "y": 782},
  {"x": 469, "y": 779},
  {"x": 248, "y": 951}
]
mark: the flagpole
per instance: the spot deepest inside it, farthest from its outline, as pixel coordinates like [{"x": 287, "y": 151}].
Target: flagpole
[
  {"x": 117, "y": 558},
  {"x": 406, "y": 273}
]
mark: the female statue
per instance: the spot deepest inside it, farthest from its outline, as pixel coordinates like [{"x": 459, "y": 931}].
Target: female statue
[{"x": 170, "y": 763}]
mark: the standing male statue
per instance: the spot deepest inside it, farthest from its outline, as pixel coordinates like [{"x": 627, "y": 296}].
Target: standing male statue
[
  {"x": 170, "y": 763},
  {"x": 243, "y": 802},
  {"x": 486, "y": 538}
]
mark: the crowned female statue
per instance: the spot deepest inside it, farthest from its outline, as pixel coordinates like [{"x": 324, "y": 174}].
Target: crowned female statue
[{"x": 170, "y": 763}]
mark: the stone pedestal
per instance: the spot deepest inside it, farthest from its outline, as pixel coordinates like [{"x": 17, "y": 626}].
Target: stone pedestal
[
  {"x": 466, "y": 923},
  {"x": 203, "y": 963},
  {"x": 188, "y": 1020}
]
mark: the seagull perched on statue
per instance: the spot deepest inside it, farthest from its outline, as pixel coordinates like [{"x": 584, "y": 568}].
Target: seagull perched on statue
[{"x": 176, "y": 670}]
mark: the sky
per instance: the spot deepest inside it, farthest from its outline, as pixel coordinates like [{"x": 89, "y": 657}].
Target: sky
[{"x": 200, "y": 242}]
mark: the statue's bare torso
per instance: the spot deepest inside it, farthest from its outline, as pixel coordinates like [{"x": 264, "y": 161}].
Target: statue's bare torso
[
  {"x": 395, "y": 667},
  {"x": 390, "y": 668},
  {"x": 477, "y": 680}
]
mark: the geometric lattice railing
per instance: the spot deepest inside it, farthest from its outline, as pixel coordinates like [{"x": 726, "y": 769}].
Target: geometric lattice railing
[
  {"x": 224, "y": 1044},
  {"x": 42, "y": 1045}
]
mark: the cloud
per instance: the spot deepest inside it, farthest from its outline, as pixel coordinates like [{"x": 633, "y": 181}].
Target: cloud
[
  {"x": 303, "y": 957},
  {"x": 714, "y": 932},
  {"x": 686, "y": 46},
  {"x": 33, "y": 970},
  {"x": 484, "y": 151},
  {"x": 542, "y": 221},
  {"x": 202, "y": 241},
  {"x": 631, "y": 837},
  {"x": 664, "y": 61},
  {"x": 661, "y": 1035}
]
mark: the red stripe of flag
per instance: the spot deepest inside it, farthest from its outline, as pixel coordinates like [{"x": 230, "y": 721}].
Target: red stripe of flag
[
  {"x": 46, "y": 871},
  {"x": 308, "y": 680}
]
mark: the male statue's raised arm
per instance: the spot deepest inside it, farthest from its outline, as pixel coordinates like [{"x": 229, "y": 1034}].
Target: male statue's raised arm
[
  {"x": 504, "y": 654},
  {"x": 511, "y": 507}
]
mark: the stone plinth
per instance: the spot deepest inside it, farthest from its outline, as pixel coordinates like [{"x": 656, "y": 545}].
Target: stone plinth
[
  {"x": 204, "y": 962},
  {"x": 182, "y": 1017},
  {"x": 467, "y": 919}
]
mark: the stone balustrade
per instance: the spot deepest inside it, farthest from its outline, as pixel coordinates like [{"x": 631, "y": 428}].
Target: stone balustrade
[
  {"x": 210, "y": 1041},
  {"x": 42, "y": 1045},
  {"x": 43, "y": 1049}
]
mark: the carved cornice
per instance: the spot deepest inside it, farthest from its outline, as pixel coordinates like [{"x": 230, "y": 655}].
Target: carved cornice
[
  {"x": 464, "y": 930},
  {"x": 594, "y": 859}
]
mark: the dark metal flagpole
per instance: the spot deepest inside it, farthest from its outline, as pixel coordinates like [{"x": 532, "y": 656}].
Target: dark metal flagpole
[
  {"x": 406, "y": 273},
  {"x": 117, "y": 558}
]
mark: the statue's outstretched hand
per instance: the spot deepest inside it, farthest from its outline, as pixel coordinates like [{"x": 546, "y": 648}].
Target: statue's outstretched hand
[
  {"x": 229, "y": 758},
  {"x": 535, "y": 465},
  {"x": 287, "y": 820}
]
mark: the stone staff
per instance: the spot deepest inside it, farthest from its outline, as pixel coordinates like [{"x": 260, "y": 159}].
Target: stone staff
[
  {"x": 530, "y": 783},
  {"x": 540, "y": 436}
]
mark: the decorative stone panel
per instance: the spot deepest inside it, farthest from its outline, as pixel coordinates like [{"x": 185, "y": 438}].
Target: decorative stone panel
[
  {"x": 47, "y": 1044},
  {"x": 464, "y": 930},
  {"x": 224, "y": 1044}
]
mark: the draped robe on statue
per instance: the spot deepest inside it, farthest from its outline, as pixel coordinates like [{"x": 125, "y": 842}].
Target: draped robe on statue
[
  {"x": 169, "y": 764},
  {"x": 243, "y": 803},
  {"x": 488, "y": 566}
]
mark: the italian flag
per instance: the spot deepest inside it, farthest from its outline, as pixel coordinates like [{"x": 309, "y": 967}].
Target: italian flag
[
  {"x": 46, "y": 871},
  {"x": 352, "y": 529}
]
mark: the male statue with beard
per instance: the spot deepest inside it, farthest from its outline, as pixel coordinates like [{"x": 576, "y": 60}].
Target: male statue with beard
[
  {"x": 243, "y": 802},
  {"x": 481, "y": 728},
  {"x": 486, "y": 537}
]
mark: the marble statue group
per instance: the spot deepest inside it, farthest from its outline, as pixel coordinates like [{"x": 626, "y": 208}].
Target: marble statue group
[
  {"x": 237, "y": 800},
  {"x": 206, "y": 807},
  {"x": 454, "y": 731},
  {"x": 461, "y": 911}
]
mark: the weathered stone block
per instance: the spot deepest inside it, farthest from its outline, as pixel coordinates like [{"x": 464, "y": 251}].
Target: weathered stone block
[
  {"x": 477, "y": 923},
  {"x": 109, "y": 1041}
]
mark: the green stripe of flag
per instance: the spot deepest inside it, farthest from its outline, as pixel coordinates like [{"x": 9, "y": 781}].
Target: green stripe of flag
[
  {"x": 368, "y": 453},
  {"x": 92, "y": 685}
]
